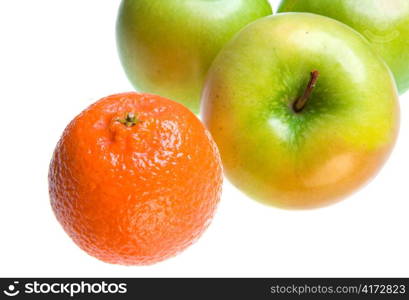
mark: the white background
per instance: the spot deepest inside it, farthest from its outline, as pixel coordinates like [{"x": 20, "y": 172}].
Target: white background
[{"x": 56, "y": 58}]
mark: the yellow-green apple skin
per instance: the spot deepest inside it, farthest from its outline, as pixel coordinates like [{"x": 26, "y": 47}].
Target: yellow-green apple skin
[
  {"x": 167, "y": 46},
  {"x": 385, "y": 23},
  {"x": 321, "y": 154}
]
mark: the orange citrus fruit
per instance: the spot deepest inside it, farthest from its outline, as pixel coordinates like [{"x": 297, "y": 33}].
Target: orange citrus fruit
[{"x": 135, "y": 179}]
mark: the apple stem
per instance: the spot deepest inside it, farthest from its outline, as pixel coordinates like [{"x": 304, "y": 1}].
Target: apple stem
[
  {"x": 301, "y": 101},
  {"x": 130, "y": 119}
]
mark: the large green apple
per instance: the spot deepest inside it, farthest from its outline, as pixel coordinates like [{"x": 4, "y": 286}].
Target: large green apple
[
  {"x": 167, "y": 46},
  {"x": 385, "y": 23},
  {"x": 302, "y": 108}
]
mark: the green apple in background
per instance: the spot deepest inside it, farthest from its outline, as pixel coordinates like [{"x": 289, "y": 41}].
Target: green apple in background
[
  {"x": 385, "y": 23},
  {"x": 302, "y": 108},
  {"x": 167, "y": 46}
]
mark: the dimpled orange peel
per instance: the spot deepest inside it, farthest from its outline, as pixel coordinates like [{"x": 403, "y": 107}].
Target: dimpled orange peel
[{"x": 135, "y": 179}]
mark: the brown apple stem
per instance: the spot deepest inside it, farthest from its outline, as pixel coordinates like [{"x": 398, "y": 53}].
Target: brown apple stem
[
  {"x": 130, "y": 119},
  {"x": 301, "y": 101}
]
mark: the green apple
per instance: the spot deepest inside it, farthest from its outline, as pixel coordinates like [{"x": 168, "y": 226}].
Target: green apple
[
  {"x": 302, "y": 108},
  {"x": 385, "y": 23},
  {"x": 167, "y": 46}
]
